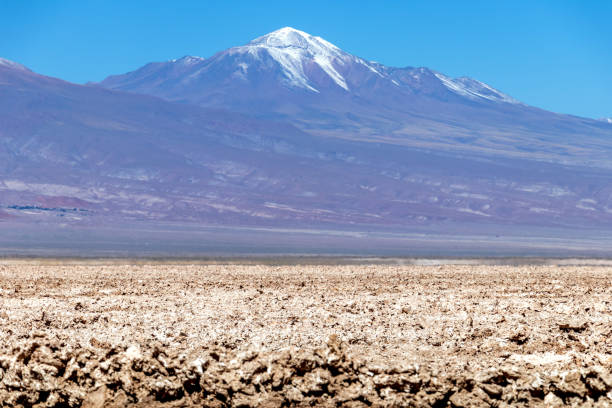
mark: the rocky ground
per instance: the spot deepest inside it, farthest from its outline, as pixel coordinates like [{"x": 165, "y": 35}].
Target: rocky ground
[{"x": 107, "y": 334}]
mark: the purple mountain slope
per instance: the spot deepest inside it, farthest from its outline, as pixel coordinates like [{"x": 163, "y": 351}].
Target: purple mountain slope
[
  {"x": 92, "y": 156},
  {"x": 291, "y": 75}
]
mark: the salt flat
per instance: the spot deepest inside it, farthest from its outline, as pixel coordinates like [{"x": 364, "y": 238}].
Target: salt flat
[{"x": 486, "y": 334}]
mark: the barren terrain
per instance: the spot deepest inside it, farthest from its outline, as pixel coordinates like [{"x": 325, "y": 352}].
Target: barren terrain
[{"x": 97, "y": 334}]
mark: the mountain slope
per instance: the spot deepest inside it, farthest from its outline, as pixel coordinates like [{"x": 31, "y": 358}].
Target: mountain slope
[
  {"x": 121, "y": 155},
  {"x": 291, "y": 75},
  {"x": 88, "y": 155}
]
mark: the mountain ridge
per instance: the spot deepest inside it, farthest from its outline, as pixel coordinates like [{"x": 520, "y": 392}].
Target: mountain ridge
[
  {"x": 5, "y": 63},
  {"x": 296, "y": 46},
  {"x": 273, "y": 78},
  {"x": 232, "y": 152}
]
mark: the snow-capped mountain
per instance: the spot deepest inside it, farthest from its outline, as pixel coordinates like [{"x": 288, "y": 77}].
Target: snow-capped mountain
[
  {"x": 290, "y": 75},
  {"x": 298, "y": 54},
  {"x": 289, "y": 131},
  {"x": 298, "y": 60},
  {"x": 294, "y": 51},
  {"x": 607, "y": 120}
]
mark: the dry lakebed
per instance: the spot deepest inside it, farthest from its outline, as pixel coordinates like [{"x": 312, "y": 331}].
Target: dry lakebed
[{"x": 163, "y": 334}]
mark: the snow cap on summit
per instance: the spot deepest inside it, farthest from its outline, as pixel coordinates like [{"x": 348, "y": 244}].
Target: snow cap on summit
[
  {"x": 291, "y": 37},
  {"x": 291, "y": 48}
]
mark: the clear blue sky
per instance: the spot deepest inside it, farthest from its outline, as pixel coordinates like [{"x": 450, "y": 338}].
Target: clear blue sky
[{"x": 556, "y": 55}]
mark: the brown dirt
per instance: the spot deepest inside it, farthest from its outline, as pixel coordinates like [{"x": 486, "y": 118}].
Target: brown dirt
[{"x": 229, "y": 335}]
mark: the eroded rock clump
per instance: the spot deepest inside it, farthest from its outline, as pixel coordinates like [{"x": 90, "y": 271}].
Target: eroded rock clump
[{"x": 43, "y": 373}]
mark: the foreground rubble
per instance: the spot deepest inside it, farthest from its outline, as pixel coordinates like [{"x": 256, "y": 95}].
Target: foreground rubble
[{"x": 39, "y": 373}]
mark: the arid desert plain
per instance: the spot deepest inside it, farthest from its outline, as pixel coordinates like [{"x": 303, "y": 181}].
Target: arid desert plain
[{"x": 146, "y": 334}]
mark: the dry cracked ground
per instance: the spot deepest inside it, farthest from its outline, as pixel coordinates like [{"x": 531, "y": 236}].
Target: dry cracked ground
[{"x": 109, "y": 334}]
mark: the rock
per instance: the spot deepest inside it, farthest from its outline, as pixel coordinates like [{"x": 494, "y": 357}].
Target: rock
[
  {"x": 464, "y": 399},
  {"x": 294, "y": 395},
  {"x": 350, "y": 393},
  {"x": 166, "y": 390},
  {"x": 493, "y": 390},
  {"x": 133, "y": 353},
  {"x": 573, "y": 325},
  {"x": 520, "y": 336},
  {"x": 96, "y": 399},
  {"x": 200, "y": 365},
  {"x": 599, "y": 381},
  {"x": 572, "y": 384},
  {"x": 99, "y": 344},
  {"x": 551, "y": 400}
]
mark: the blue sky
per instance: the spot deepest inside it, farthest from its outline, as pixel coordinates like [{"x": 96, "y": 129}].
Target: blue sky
[{"x": 556, "y": 55}]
